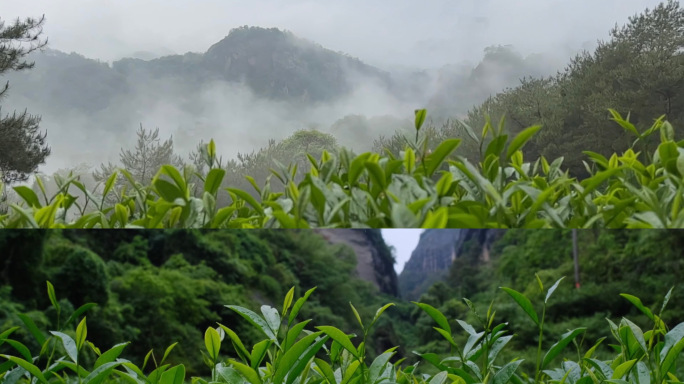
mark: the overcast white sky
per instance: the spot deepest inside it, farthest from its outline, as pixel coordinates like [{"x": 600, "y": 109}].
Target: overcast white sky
[
  {"x": 404, "y": 242},
  {"x": 385, "y": 33}
]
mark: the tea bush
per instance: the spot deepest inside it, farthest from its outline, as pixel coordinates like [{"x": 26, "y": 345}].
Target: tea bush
[
  {"x": 292, "y": 351},
  {"x": 420, "y": 188}
]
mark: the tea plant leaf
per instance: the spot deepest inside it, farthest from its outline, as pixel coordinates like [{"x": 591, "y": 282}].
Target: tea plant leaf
[
  {"x": 349, "y": 373},
  {"x": 230, "y": 375},
  {"x": 287, "y": 302},
  {"x": 288, "y": 360},
  {"x": 304, "y": 358},
  {"x": 358, "y": 317},
  {"x": 167, "y": 190},
  {"x": 466, "y": 327},
  {"x": 436, "y": 219},
  {"x": 21, "y": 348},
  {"x": 340, "y": 337},
  {"x": 637, "y": 333},
  {"x": 212, "y": 341},
  {"x": 51, "y": 295},
  {"x": 498, "y": 345},
  {"x": 325, "y": 370},
  {"x": 447, "y": 336},
  {"x": 31, "y": 326},
  {"x": 557, "y": 348},
  {"x": 436, "y": 315},
  {"x": 672, "y": 347},
  {"x": 666, "y": 300},
  {"x": 258, "y": 352},
  {"x": 376, "y": 173},
  {"x": 175, "y": 375},
  {"x": 378, "y": 365},
  {"x": 167, "y": 351},
  {"x": 5, "y": 334},
  {"x": 81, "y": 333},
  {"x": 28, "y": 195},
  {"x": 79, "y": 311},
  {"x": 255, "y": 320},
  {"x": 237, "y": 343},
  {"x": 504, "y": 375},
  {"x": 443, "y": 150},
  {"x": 637, "y": 303},
  {"x": 298, "y": 305},
  {"x": 213, "y": 181},
  {"x": 110, "y": 355},
  {"x": 643, "y": 375},
  {"x": 553, "y": 288},
  {"x": 32, "y": 369},
  {"x": 69, "y": 345},
  {"x": 272, "y": 318},
  {"x": 623, "y": 369},
  {"x": 591, "y": 350},
  {"x": 248, "y": 198},
  {"x": 524, "y": 303},
  {"x": 420, "y": 118},
  {"x": 247, "y": 372},
  {"x": 439, "y": 378},
  {"x": 520, "y": 139},
  {"x": 293, "y": 333},
  {"x": 378, "y": 313}
]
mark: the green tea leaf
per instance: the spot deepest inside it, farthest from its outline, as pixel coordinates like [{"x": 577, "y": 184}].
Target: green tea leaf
[
  {"x": 28, "y": 322},
  {"x": 340, "y": 337},
  {"x": 552, "y": 289},
  {"x": 212, "y": 341},
  {"x": 69, "y": 345},
  {"x": 28, "y": 195},
  {"x": 248, "y": 198},
  {"x": 504, "y": 375},
  {"x": 175, "y": 375},
  {"x": 557, "y": 348},
  {"x": 32, "y": 369},
  {"x": 110, "y": 355},
  {"x": 420, "y": 118},
  {"x": 255, "y": 320},
  {"x": 288, "y": 360},
  {"x": 81, "y": 333},
  {"x": 298, "y": 305},
  {"x": 258, "y": 352},
  {"x": 443, "y": 150},
  {"x": 623, "y": 369},
  {"x": 520, "y": 139},
  {"x": 436, "y": 315},
  {"x": 524, "y": 303},
  {"x": 213, "y": 181}
]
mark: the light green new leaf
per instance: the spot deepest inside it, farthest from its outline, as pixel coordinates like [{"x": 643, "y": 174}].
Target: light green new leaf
[
  {"x": 175, "y": 375},
  {"x": 288, "y": 359},
  {"x": 443, "y": 150},
  {"x": 213, "y": 180},
  {"x": 420, "y": 118},
  {"x": 623, "y": 369},
  {"x": 552, "y": 289},
  {"x": 259, "y": 352},
  {"x": 340, "y": 337},
  {"x": 248, "y": 198},
  {"x": 212, "y": 341},
  {"x": 524, "y": 303},
  {"x": 52, "y": 296},
  {"x": 110, "y": 355},
  {"x": 81, "y": 334},
  {"x": 557, "y": 348},
  {"x": 298, "y": 305},
  {"x": 247, "y": 372},
  {"x": 436, "y": 315},
  {"x": 272, "y": 318},
  {"x": 520, "y": 139},
  {"x": 28, "y": 195}
]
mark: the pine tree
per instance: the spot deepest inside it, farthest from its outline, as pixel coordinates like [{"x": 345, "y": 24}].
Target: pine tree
[{"x": 22, "y": 146}]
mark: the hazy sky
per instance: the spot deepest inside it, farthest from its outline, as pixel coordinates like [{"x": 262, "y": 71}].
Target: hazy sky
[
  {"x": 398, "y": 32},
  {"x": 404, "y": 242}
]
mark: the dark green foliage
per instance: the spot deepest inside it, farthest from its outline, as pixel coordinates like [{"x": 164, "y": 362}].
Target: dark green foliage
[
  {"x": 83, "y": 277},
  {"x": 21, "y": 261},
  {"x": 22, "y": 147}
]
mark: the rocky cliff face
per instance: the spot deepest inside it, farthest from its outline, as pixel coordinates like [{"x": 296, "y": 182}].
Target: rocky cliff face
[
  {"x": 374, "y": 260},
  {"x": 436, "y": 251}
]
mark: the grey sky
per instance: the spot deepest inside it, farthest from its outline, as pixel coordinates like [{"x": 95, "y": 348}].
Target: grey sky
[
  {"x": 404, "y": 242},
  {"x": 396, "y": 33}
]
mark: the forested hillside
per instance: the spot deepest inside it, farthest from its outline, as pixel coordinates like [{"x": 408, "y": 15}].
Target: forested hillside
[{"x": 154, "y": 288}]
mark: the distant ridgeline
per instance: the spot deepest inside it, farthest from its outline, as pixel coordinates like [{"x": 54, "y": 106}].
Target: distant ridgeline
[
  {"x": 274, "y": 64},
  {"x": 437, "y": 249}
]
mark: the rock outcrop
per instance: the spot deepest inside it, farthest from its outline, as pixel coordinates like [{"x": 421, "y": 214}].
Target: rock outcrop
[
  {"x": 374, "y": 260},
  {"x": 436, "y": 251}
]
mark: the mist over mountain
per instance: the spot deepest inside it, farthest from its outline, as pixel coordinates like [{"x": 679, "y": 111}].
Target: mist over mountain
[{"x": 252, "y": 86}]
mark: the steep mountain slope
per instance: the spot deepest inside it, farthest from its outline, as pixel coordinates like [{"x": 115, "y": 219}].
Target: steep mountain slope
[
  {"x": 435, "y": 253},
  {"x": 374, "y": 262}
]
